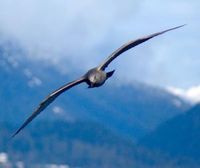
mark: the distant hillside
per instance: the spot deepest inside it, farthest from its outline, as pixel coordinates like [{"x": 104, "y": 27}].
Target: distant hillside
[
  {"x": 78, "y": 144},
  {"x": 178, "y": 137}
]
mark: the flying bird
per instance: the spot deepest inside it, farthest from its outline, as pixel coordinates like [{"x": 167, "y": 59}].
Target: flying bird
[{"x": 95, "y": 77}]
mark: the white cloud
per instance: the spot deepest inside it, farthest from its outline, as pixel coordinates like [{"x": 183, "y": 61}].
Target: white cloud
[
  {"x": 3, "y": 158},
  {"x": 62, "y": 30},
  {"x": 56, "y": 166},
  {"x": 192, "y": 94},
  {"x": 28, "y": 73},
  {"x": 9, "y": 60},
  {"x": 57, "y": 110},
  {"x": 20, "y": 164},
  {"x": 76, "y": 35},
  {"x": 13, "y": 62},
  {"x": 34, "y": 81},
  {"x": 65, "y": 115}
]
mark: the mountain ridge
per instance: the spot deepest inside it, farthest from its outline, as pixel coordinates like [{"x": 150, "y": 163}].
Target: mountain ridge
[{"x": 178, "y": 137}]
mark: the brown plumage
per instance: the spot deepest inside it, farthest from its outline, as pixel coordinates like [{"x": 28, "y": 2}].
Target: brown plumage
[{"x": 95, "y": 77}]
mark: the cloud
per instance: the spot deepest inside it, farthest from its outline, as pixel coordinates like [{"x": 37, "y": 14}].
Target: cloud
[
  {"x": 3, "y": 158},
  {"x": 77, "y": 35},
  {"x": 60, "y": 112},
  {"x": 33, "y": 80},
  {"x": 57, "y": 110},
  {"x": 191, "y": 94},
  {"x": 61, "y": 30}
]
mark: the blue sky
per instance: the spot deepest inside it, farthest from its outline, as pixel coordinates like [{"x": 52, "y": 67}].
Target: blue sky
[{"x": 77, "y": 35}]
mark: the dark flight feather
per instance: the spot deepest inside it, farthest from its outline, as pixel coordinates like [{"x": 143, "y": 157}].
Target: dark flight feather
[
  {"x": 49, "y": 99},
  {"x": 130, "y": 45}
]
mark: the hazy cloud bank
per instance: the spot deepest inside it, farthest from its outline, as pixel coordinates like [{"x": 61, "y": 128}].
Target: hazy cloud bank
[
  {"x": 80, "y": 34},
  {"x": 191, "y": 94}
]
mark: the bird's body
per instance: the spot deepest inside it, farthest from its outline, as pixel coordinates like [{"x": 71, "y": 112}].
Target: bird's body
[{"x": 95, "y": 77}]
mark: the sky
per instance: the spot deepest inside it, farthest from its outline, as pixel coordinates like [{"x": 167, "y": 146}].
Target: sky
[{"x": 77, "y": 35}]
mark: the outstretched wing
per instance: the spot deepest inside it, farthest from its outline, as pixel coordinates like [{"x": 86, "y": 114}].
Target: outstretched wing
[
  {"x": 130, "y": 45},
  {"x": 49, "y": 99}
]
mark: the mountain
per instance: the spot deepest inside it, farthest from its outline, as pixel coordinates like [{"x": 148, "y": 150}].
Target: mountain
[
  {"x": 129, "y": 110},
  {"x": 76, "y": 144},
  {"x": 178, "y": 137}
]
